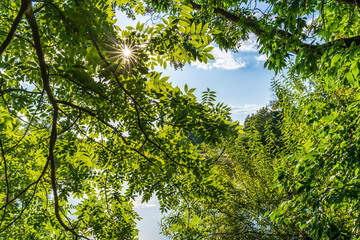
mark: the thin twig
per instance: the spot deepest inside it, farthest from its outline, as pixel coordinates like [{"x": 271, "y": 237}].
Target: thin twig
[
  {"x": 135, "y": 106},
  {"x": 6, "y": 180}
]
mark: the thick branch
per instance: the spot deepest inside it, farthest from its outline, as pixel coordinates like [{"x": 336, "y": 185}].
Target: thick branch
[
  {"x": 23, "y": 8},
  {"x": 46, "y": 82},
  {"x": 233, "y": 18},
  {"x": 347, "y": 41},
  {"x": 20, "y": 37},
  {"x": 353, "y": 3},
  {"x": 255, "y": 28},
  {"x": 251, "y": 23}
]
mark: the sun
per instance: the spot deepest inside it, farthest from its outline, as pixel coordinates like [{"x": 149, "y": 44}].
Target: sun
[
  {"x": 126, "y": 52},
  {"x": 123, "y": 53}
]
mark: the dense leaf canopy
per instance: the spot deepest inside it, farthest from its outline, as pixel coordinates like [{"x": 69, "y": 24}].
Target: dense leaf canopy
[
  {"x": 313, "y": 46},
  {"x": 86, "y": 122}
]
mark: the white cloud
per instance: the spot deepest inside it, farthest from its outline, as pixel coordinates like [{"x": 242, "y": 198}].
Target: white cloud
[
  {"x": 245, "y": 109},
  {"x": 249, "y": 45},
  {"x": 202, "y": 65},
  {"x": 311, "y": 20},
  {"x": 223, "y": 60},
  {"x": 151, "y": 203},
  {"x": 258, "y": 15},
  {"x": 261, "y": 58}
]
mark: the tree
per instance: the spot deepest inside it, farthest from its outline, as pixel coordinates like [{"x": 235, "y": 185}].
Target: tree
[
  {"x": 280, "y": 26},
  {"x": 264, "y": 118},
  {"x": 238, "y": 203},
  {"x": 321, "y": 167},
  {"x": 94, "y": 116},
  {"x": 316, "y": 45},
  {"x": 83, "y": 78}
]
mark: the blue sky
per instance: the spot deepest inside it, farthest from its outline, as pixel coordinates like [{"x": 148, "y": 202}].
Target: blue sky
[
  {"x": 239, "y": 80},
  {"x": 245, "y": 87}
]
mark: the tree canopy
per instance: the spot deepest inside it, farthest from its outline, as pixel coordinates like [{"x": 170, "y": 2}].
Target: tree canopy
[
  {"x": 84, "y": 115},
  {"x": 313, "y": 46}
]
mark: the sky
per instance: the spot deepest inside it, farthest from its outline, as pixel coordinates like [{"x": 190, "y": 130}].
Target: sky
[{"x": 239, "y": 80}]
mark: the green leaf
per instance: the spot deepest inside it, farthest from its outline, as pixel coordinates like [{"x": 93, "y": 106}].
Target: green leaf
[
  {"x": 210, "y": 56},
  {"x": 186, "y": 15},
  {"x": 186, "y": 8},
  {"x": 192, "y": 29},
  {"x": 335, "y": 59},
  {"x": 208, "y": 49},
  {"x": 198, "y": 28},
  {"x": 205, "y": 28}
]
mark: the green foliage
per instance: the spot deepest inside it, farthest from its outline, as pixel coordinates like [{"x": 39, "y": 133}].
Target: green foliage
[
  {"x": 314, "y": 46},
  {"x": 322, "y": 168},
  {"x": 239, "y": 195},
  {"x": 84, "y": 127},
  {"x": 265, "y": 122},
  {"x": 80, "y": 119}
]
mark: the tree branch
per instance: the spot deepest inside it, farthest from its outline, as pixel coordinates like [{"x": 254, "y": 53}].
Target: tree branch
[
  {"x": 30, "y": 120},
  {"x": 251, "y": 23},
  {"x": 22, "y": 210},
  {"x": 91, "y": 113},
  {"x": 46, "y": 82},
  {"x": 353, "y": 3},
  {"x": 234, "y": 18},
  {"x": 135, "y": 106},
  {"x": 60, "y": 13},
  {"x": 17, "y": 90},
  {"x": 254, "y": 27},
  {"x": 7, "y": 182},
  {"x": 71, "y": 125},
  {"x": 24, "y": 7},
  {"x": 83, "y": 86},
  {"x": 20, "y": 37},
  {"x": 29, "y": 186}
]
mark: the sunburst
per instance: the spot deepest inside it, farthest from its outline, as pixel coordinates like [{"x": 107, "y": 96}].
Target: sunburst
[
  {"x": 126, "y": 52},
  {"x": 123, "y": 53}
]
